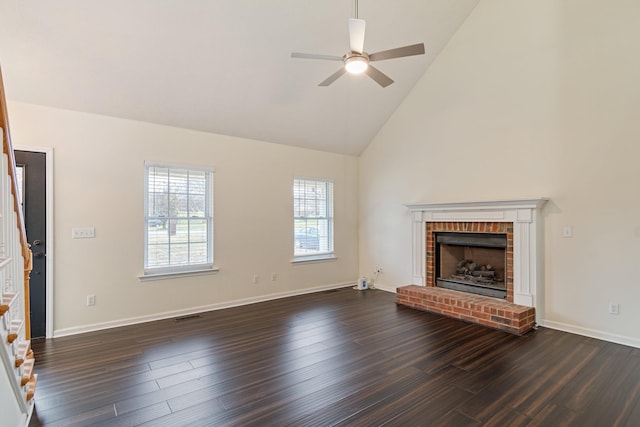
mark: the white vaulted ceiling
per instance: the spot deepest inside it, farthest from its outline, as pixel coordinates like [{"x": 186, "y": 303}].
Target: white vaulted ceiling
[{"x": 221, "y": 66}]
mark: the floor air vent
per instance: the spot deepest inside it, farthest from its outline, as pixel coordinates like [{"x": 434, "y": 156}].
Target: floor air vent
[{"x": 183, "y": 318}]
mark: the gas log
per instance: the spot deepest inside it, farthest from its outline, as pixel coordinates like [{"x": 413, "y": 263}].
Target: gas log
[{"x": 472, "y": 272}]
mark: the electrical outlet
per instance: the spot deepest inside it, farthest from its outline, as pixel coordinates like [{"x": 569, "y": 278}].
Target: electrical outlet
[
  {"x": 91, "y": 300},
  {"x": 567, "y": 231},
  {"x": 614, "y": 308}
]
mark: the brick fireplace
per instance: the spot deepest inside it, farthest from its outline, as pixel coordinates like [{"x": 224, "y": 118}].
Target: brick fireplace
[
  {"x": 515, "y": 221},
  {"x": 505, "y": 229}
]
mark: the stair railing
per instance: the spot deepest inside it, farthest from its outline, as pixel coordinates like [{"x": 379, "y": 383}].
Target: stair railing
[
  {"x": 7, "y": 148},
  {"x": 16, "y": 357}
]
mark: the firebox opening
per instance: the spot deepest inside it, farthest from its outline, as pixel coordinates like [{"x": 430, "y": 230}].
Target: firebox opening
[{"x": 472, "y": 262}]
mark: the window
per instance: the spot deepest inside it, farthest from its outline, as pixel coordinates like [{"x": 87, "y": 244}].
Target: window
[
  {"x": 178, "y": 219},
  {"x": 312, "y": 219}
]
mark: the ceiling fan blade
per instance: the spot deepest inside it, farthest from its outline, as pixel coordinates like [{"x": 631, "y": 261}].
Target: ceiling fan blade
[
  {"x": 315, "y": 56},
  {"x": 333, "y": 77},
  {"x": 356, "y": 34},
  {"x": 414, "y": 49},
  {"x": 381, "y": 78}
]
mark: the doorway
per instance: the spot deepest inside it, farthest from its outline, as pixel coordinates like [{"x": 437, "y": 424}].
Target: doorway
[{"x": 33, "y": 174}]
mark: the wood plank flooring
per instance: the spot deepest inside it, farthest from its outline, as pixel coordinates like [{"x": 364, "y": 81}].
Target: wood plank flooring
[{"x": 333, "y": 358}]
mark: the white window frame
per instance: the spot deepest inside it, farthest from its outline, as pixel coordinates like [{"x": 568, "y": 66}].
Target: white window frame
[
  {"x": 151, "y": 273},
  {"x": 328, "y": 252}
]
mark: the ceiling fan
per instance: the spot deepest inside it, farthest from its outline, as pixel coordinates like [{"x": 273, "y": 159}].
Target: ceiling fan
[{"x": 357, "y": 60}]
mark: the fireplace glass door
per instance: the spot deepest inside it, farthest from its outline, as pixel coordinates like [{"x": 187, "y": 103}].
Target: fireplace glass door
[{"x": 472, "y": 262}]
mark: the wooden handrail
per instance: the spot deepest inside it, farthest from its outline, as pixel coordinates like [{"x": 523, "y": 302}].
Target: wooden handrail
[{"x": 7, "y": 148}]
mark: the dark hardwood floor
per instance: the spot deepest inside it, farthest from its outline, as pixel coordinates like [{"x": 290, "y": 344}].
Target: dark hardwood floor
[{"x": 333, "y": 358}]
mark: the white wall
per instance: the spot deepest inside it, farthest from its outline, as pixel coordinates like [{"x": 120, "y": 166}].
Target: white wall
[
  {"x": 98, "y": 182},
  {"x": 11, "y": 412},
  {"x": 528, "y": 99}
]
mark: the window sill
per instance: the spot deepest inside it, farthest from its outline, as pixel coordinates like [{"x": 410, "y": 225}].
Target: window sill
[
  {"x": 176, "y": 274},
  {"x": 313, "y": 258}
]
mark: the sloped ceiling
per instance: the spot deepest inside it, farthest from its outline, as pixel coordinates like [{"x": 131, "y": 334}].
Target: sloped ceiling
[{"x": 221, "y": 66}]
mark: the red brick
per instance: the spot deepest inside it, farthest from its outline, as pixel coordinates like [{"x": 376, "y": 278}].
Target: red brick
[
  {"x": 482, "y": 310},
  {"x": 461, "y": 310},
  {"x": 501, "y": 320},
  {"x": 480, "y": 315}
]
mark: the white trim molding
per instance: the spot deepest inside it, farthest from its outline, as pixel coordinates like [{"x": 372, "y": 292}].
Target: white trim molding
[
  {"x": 593, "y": 333},
  {"x": 527, "y": 239}
]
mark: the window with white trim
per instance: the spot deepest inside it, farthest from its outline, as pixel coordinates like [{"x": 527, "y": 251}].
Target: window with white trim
[
  {"x": 178, "y": 219},
  {"x": 312, "y": 219}
]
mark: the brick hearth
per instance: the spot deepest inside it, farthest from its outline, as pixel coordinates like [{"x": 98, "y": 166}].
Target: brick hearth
[{"x": 492, "y": 312}]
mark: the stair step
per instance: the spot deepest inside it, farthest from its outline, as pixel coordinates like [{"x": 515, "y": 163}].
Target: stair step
[
  {"x": 14, "y": 330},
  {"x": 27, "y": 371},
  {"x": 24, "y": 349},
  {"x": 5, "y": 302},
  {"x": 4, "y": 261},
  {"x": 8, "y": 297},
  {"x": 31, "y": 387}
]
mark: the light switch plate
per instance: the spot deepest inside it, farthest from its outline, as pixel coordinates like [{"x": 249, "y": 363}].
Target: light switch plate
[{"x": 83, "y": 232}]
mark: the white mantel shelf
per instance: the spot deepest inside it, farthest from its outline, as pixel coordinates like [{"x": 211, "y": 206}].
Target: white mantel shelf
[
  {"x": 527, "y": 238},
  {"x": 482, "y": 205}
]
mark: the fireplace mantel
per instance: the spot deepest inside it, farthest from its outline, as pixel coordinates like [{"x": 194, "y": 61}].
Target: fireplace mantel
[
  {"x": 527, "y": 238},
  {"x": 490, "y": 205}
]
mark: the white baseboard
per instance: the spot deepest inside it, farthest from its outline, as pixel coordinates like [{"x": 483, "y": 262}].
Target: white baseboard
[
  {"x": 385, "y": 288},
  {"x": 593, "y": 333},
  {"x": 192, "y": 310}
]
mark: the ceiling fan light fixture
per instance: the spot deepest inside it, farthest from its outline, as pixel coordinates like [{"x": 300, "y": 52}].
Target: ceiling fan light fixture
[
  {"x": 356, "y": 64},
  {"x": 356, "y": 60}
]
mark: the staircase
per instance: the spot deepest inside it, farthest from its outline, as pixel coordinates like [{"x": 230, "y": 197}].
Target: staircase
[{"x": 17, "y": 377}]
